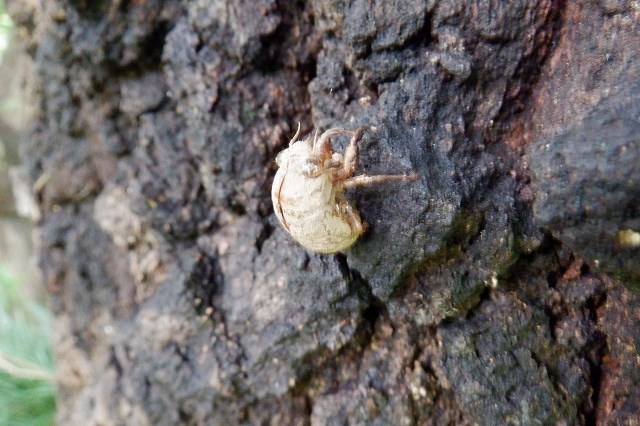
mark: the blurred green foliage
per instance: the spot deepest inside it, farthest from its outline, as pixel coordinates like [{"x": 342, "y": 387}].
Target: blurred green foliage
[
  {"x": 27, "y": 391},
  {"x": 6, "y": 26}
]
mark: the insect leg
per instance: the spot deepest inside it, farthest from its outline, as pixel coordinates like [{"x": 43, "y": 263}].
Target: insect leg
[
  {"x": 351, "y": 155},
  {"x": 364, "y": 180},
  {"x": 322, "y": 146},
  {"x": 351, "y": 215}
]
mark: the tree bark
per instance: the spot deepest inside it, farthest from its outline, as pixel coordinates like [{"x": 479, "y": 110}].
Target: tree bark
[{"x": 479, "y": 294}]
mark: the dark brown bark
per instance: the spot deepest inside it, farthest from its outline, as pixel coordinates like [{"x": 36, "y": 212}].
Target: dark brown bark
[{"x": 178, "y": 297}]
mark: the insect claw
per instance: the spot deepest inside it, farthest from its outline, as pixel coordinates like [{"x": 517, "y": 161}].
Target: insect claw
[{"x": 359, "y": 132}]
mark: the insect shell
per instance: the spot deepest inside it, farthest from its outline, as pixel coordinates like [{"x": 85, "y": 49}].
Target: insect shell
[{"x": 307, "y": 191}]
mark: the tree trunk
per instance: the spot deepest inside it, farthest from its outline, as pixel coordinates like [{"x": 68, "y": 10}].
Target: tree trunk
[{"x": 478, "y": 294}]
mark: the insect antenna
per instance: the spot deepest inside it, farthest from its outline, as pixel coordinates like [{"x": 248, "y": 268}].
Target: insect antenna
[{"x": 295, "y": 137}]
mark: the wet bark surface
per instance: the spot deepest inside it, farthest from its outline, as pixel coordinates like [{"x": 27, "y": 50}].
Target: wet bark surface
[{"x": 478, "y": 294}]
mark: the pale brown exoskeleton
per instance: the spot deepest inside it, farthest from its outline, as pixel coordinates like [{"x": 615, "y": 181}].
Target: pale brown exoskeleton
[{"x": 307, "y": 190}]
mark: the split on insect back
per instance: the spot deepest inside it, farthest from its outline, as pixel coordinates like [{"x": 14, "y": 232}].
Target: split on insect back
[{"x": 307, "y": 190}]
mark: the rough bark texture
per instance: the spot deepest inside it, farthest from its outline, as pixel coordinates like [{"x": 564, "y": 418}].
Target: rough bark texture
[{"x": 178, "y": 297}]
